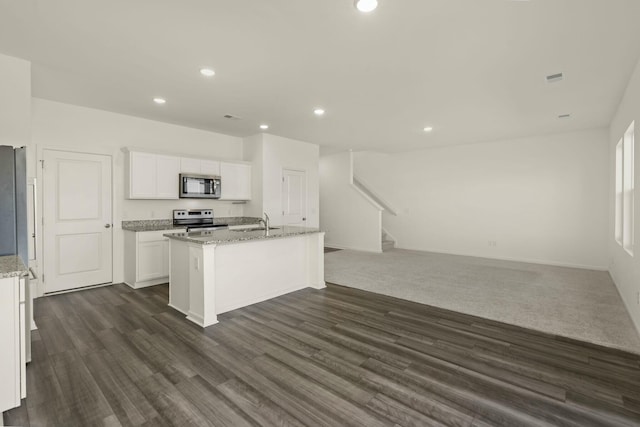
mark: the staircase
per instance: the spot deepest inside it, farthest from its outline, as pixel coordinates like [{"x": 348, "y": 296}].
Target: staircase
[{"x": 387, "y": 242}]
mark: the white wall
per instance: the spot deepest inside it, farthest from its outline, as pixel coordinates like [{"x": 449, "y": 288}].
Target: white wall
[
  {"x": 349, "y": 220},
  {"x": 84, "y": 129},
  {"x": 15, "y": 101},
  {"x": 624, "y": 268},
  {"x": 541, "y": 199},
  {"x": 270, "y": 154},
  {"x": 253, "y": 149}
]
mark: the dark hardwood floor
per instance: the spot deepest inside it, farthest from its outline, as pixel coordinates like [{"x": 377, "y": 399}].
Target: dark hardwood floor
[{"x": 114, "y": 356}]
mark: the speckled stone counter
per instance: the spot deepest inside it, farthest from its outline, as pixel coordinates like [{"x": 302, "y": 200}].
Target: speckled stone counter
[
  {"x": 12, "y": 266},
  {"x": 226, "y": 236},
  {"x": 167, "y": 224}
]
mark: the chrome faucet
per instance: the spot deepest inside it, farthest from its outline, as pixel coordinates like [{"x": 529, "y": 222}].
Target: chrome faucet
[{"x": 265, "y": 221}]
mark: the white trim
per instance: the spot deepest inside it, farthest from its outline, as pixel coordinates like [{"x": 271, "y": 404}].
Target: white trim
[
  {"x": 351, "y": 248},
  {"x": 377, "y": 198},
  {"x": 82, "y": 288},
  {"x": 39, "y": 151}
]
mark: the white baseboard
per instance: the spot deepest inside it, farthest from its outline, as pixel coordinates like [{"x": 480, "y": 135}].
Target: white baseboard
[
  {"x": 525, "y": 260},
  {"x": 146, "y": 284},
  {"x": 351, "y": 248}
]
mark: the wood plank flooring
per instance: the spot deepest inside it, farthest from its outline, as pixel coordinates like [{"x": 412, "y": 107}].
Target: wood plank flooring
[{"x": 342, "y": 357}]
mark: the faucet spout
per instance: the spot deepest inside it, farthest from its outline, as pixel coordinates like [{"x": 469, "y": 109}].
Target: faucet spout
[{"x": 266, "y": 221}]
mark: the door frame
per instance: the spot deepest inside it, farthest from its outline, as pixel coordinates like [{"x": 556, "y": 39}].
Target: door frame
[
  {"x": 40, "y": 255},
  {"x": 306, "y": 189}
]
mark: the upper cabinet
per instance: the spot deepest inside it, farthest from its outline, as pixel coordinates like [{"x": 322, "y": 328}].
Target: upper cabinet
[
  {"x": 152, "y": 176},
  {"x": 156, "y": 176},
  {"x": 199, "y": 167},
  {"x": 236, "y": 181}
]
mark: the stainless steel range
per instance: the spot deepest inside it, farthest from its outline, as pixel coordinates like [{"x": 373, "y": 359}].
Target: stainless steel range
[{"x": 195, "y": 219}]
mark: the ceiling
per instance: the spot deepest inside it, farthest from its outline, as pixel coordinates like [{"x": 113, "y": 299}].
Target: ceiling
[{"x": 473, "y": 69}]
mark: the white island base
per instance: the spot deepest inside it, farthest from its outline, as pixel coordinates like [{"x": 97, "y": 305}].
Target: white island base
[{"x": 209, "y": 279}]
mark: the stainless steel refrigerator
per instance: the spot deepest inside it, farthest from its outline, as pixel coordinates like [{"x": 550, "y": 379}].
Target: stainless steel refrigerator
[{"x": 14, "y": 237}]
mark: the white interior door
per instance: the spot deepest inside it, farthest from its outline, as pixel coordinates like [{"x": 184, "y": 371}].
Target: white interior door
[
  {"x": 77, "y": 228},
  {"x": 294, "y": 197}
]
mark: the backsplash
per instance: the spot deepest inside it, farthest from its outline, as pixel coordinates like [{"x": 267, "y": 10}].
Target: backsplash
[{"x": 159, "y": 224}]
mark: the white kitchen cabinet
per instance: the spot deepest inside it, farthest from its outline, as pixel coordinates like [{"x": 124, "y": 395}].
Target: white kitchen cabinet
[
  {"x": 235, "y": 181},
  {"x": 12, "y": 331},
  {"x": 147, "y": 257},
  {"x": 152, "y": 176},
  {"x": 199, "y": 167},
  {"x": 210, "y": 167}
]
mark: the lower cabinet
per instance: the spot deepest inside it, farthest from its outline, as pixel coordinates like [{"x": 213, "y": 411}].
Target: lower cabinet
[
  {"x": 146, "y": 257},
  {"x": 12, "y": 341}
]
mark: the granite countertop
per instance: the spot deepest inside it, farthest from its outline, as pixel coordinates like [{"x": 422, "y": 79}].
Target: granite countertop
[
  {"x": 12, "y": 266},
  {"x": 226, "y": 236},
  {"x": 167, "y": 224}
]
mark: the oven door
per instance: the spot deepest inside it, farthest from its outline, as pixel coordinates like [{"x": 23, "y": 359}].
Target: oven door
[{"x": 199, "y": 187}]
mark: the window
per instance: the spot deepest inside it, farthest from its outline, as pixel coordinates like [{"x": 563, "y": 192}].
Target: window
[
  {"x": 618, "y": 213},
  {"x": 624, "y": 209}
]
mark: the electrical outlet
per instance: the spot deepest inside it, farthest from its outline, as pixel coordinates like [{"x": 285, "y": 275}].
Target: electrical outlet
[
  {"x": 493, "y": 243},
  {"x": 638, "y": 299}
]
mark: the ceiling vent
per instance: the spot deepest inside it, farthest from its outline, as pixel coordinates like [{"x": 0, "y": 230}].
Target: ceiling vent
[
  {"x": 231, "y": 117},
  {"x": 554, "y": 78}
]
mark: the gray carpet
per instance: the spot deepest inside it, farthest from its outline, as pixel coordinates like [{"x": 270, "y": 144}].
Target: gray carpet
[{"x": 574, "y": 303}]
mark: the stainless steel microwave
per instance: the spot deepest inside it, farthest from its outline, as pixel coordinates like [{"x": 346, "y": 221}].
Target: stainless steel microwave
[{"x": 199, "y": 186}]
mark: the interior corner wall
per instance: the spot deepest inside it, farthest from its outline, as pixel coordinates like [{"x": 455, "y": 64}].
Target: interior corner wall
[
  {"x": 625, "y": 268},
  {"x": 348, "y": 220},
  {"x": 541, "y": 199},
  {"x": 58, "y": 125}
]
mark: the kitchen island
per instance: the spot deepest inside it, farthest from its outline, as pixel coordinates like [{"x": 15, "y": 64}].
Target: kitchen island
[{"x": 212, "y": 272}]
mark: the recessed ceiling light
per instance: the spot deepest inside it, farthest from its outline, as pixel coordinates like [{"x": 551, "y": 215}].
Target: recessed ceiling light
[
  {"x": 428, "y": 129},
  {"x": 318, "y": 112},
  {"x": 264, "y": 127},
  {"x": 159, "y": 100},
  {"x": 366, "y": 6},
  {"x": 207, "y": 72}
]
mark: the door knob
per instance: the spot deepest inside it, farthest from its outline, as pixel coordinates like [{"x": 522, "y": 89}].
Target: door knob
[{"x": 107, "y": 226}]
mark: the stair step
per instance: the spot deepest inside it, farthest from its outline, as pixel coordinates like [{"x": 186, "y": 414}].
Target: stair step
[{"x": 388, "y": 244}]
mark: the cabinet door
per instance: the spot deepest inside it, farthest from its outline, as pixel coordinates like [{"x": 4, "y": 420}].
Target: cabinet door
[
  {"x": 167, "y": 172},
  {"x": 209, "y": 167},
  {"x": 165, "y": 257},
  {"x": 236, "y": 181},
  {"x": 10, "y": 344},
  {"x": 142, "y": 175},
  {"x": 150, "y": 260},
  {"x": 189, "y": 165}
]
